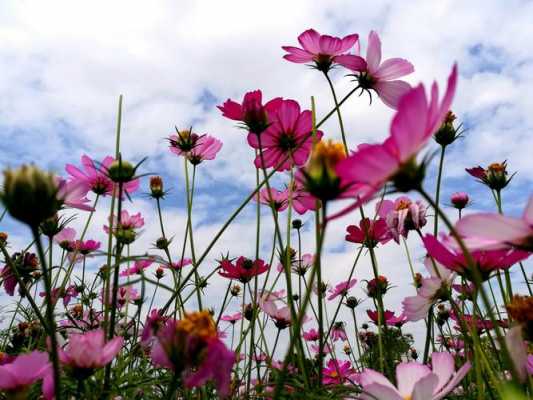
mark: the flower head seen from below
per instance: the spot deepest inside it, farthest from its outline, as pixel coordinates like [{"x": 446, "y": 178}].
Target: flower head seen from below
[
  {"x": 288, "y": 140},
  {"x": 195, "y": 148},
  {"x": 369, "y": 232},
  {"x": 415, "y": 380},
  {"x": 372, "y": 166},
  {"x": 191, "y": 348},
  {"x": 338, "y": 372},
  {"x": 402, "y": 215},
  {"x": 341, "y": 289},
  {"x": 125, "y": 230},
  {"x": 495, "y": 176},
  {"x": 243, "y": 269},
  {"x": 251, "y": 112},
  {"x": 94, "y": 177},
  {"x": 381, "y": 76},
  {"x": 320, "y": 50}
]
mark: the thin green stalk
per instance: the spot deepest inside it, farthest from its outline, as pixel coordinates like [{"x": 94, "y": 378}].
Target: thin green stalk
[
  {"x": 437, "y": 190},
  {"x": 338, "y": 112}
]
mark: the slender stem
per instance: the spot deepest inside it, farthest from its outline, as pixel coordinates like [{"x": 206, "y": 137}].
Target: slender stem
[
  {"x": 437, "y": 190},
  {"x": 338, "y": 112}
]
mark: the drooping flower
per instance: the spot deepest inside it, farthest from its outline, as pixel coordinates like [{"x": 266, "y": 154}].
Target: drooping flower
[
  {"x": 341, "y": 289},
  {"x": 196, "y": 148},
  {"x": 125, "y": 294},
  {"x": 154, "y": 321},
  {"x": 338, "y": 372},
  {"x": 369, "y": 232},
  {"x": 499, "y": 231},
  {"x": 322, "y": 50},
  {"x": 288, "y": 140},
  {"x": 138, "y": 267},
  {"x": 179, "y": 264},
  {"x": 449, "y": 254},
  {"x": 402, "y": 215},
  {"x": 415, "y": 380},
  {"x": 86, "y": 352},
  {"x": 22, "y": 371},
  {"x": 251, "y": 112},
  {"x": 94, "y": 177},
  {"x": 243, "y": 269},
  {"x": 373, "y": 74},
  {"x": 495, "y": 176},
  {"x": 417, "y": 118},
  {"x": 191, "y": 348}
]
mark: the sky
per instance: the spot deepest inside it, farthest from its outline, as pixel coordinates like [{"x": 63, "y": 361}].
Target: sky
[{"x": 64, "y": 65}]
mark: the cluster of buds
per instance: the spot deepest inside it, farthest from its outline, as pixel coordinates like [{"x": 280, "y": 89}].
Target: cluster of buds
[
  {"x": 448, "y": 133},
  {"x": 321, "y": 179},
  {"x": 377, "y": 287},
  {"x": 495, "y": 176}
]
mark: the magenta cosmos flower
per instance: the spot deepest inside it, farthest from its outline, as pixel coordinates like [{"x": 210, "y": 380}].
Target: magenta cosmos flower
[
  {"x": 338, "y": 372},
  {"x": 389, "y": 318},
  {"x": 85, "y": 247},
  {"x": 369, "y": 232},
  {"x": 449, "y": 254},
  {"x": 499, "y": 231},
  {"x": 415, "y": 381},
  {"x": 196, "y": 148},
  {"x": 17, "y": 374},
  {"x": 138, "y": 267},
  {"x": 402, "y": 215},
  {"x": 252, "y": 112},
  {"x": 301, "y": 200},
  {"x": 243, "y": 269},
  {"x": 417, "y": 118},
  {"x": 322, "y": 50},
  {"x": 288, "y": 139},
  {"x": 459, "y": 200},
  {"x": 89, "y": 351},
  {"x": 377, "y": 75},
  {"x": 94, "y": 177}
]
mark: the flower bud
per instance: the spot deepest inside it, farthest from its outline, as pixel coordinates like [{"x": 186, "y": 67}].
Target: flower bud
[
  {"x": 235, "y": 290},
  {"x": 125, "y": 236},
  {"x": 156, "y": 187},
  {"x": 121, "y": 171},
  {"x": 410, "y": 176},
  {"x": 352, "y": 302},
  {"x": 51, "y": 226},
  {"x": 297, "y": 224},
  {"x": 30, "y": 194},
  {"x": 159, "y": 273},
  {"x": 3, "y": 238},
  {"x": 162, "y": 243},
  {"x": 447, "y": 133},
  {"x": 377, "y": 286},
  {"x": 460, "y": 200}
]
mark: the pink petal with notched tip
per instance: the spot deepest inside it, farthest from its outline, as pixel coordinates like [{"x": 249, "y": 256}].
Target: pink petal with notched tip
[
  {"x": 456, "y": 379},
  {"x": 232, "y": 110},
  {"x": 329, "y": 45},
  {"x": 348, "y": 42},
  {"x": 442, "y": 365}
]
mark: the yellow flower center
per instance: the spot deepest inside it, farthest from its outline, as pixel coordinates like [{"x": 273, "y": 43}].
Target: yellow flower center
[
  {"x": 521, "y": 308},
  {"x": 403, "y": 204},
  {"x": 199, "y": 323},
  {"x": 496, "y": 167}
]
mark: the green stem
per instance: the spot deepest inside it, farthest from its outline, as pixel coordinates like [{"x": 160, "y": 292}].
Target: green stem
[
  {"x": 437, "y": 190},
  {"x": 338, "y": 112}
]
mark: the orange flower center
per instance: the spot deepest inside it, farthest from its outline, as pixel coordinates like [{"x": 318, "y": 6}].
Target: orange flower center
[
  {"x": 199, "y": 323},
  {"x": 521, "y": 308},
  {"x": 496, "y": 167},
  {"x": 403, "y": 204}
]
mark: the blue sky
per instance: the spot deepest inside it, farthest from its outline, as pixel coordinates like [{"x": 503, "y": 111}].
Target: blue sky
[{"x": 64, "y": 66}]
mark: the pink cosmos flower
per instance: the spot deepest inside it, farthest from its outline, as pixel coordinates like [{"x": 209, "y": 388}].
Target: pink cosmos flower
[
  {"x": 311, "y": 335},
  {"x": 402, "y": 215},
  {"x": 338, "y": 372},
  {"x": 179, "y": 264},
  {"x": 341, "y": 289},
  {"x": 72, "y": 194},
  {"x": 275, "y": 198},
  {"x": 300, "y": 267},
  {"x": 302, "y": 201},
  {"x": 85, "y": 247},
  {"x": 93, "y": 176},
  {"x": 138, "y": 267},
  {"x": 415, "y": 380},
  {"x": 448, "y": 253},
  {"x": 315, "y": 348},
  {"x": 338, "y": 332},
  {"x": 127, "y": 221},
  {"x": 499, "y": 231},
  {"x": 243, "y": 269},
  {"x": 89, "y": 351},
  {"x": 196, "y": 148},
  {"x": 322, "y": 50},
  {"x": 459, "y": 200},
  {"x": 373, "y": 74},
  {"x": 154, "y": 321},
  {"x": 417, "y": 118},
  {"x": 232, "y": 318},
  {"x": 369, "y": 232},
  {"x": 388, "y": 318},
  {"x": 68, "y": 294},
  {"x": 281, "y": 316},
  {"x": 251, "y": 112},
  {"x": 125, "y": 294},
  {"x": 18, "y": 373},
  {"x": 65, "y": 237},
  {"x": 288, "y": 140}
]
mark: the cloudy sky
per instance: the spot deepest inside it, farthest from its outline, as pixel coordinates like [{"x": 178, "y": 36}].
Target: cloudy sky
[{"x": 65, "y": 63}]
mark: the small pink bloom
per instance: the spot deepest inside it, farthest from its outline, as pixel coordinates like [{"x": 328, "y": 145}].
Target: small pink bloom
[
  {"x": 94, "y": 177},
  {"x": 302, "y": 201},
  {"x": 415, "y": 381},
  {"x": 388, "y": 318},
  {"x": 127, "y": 221},
  {"x": 274, "y": 198},
  {"x": 373, "y": 74},
  {"x": 72, "y": 194},
  {"x": 322, "y": 50},
  {"x": 85, "y": 247},
  {"x": 417, "y": 118},
  {"x": 338, "y": 332},
  {"x": 402, "y": 216},
  {"x": 138, "y": 267},
  {"x": 179, "y": 264},
  {"x": 90, "y": 351},
  {"x": 65, "y": 237},
  {"x": 251, "y": 112},
  {"x": 288, "y": 140},
  {"x": 196, "y": 148},
  {"x": 499, "y": 231},
  {"x": 125, "y": 294},
  {"x": 369, "y": 232},
  {"x": 311, "y": 335},
  {"x": 154, "y": 321},
  {"x": 17, "y": 374},
  {"x": 232, "y": 318},
  {"x": 243, "y": 269},
  {"x": 460, "y": 200},
  {"x": 341, "y": 289},
  {"x": 338, "y": 372}
]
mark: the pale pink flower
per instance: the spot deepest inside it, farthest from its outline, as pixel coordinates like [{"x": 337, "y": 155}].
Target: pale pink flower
[
  {"x": 274, "y": 198},
  {"x": 89, "y": 351},
  {"x": 402, "y": 215},
  {"x": 127, "y": 221},
  {"x": 86, "y": 246},
  {"x": 65, "y": 237},
  {"x": 24, "y": 370},
  {"x": 370, "y": 167},
  {"x": 415, "y": 380},
  {"x": 72, "y": 194},
  {"x": 311, "y": 335},
  {"x": 373, "y": 74},
  {"x": 232, "y": 318},
  {"x": 322, "y": 50},
  {"x": 138, "y": 267},
  {"x": 499, "y": 231},
  {"x": 341, "y": 289},
  {"x": 196, "y": 148}
]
